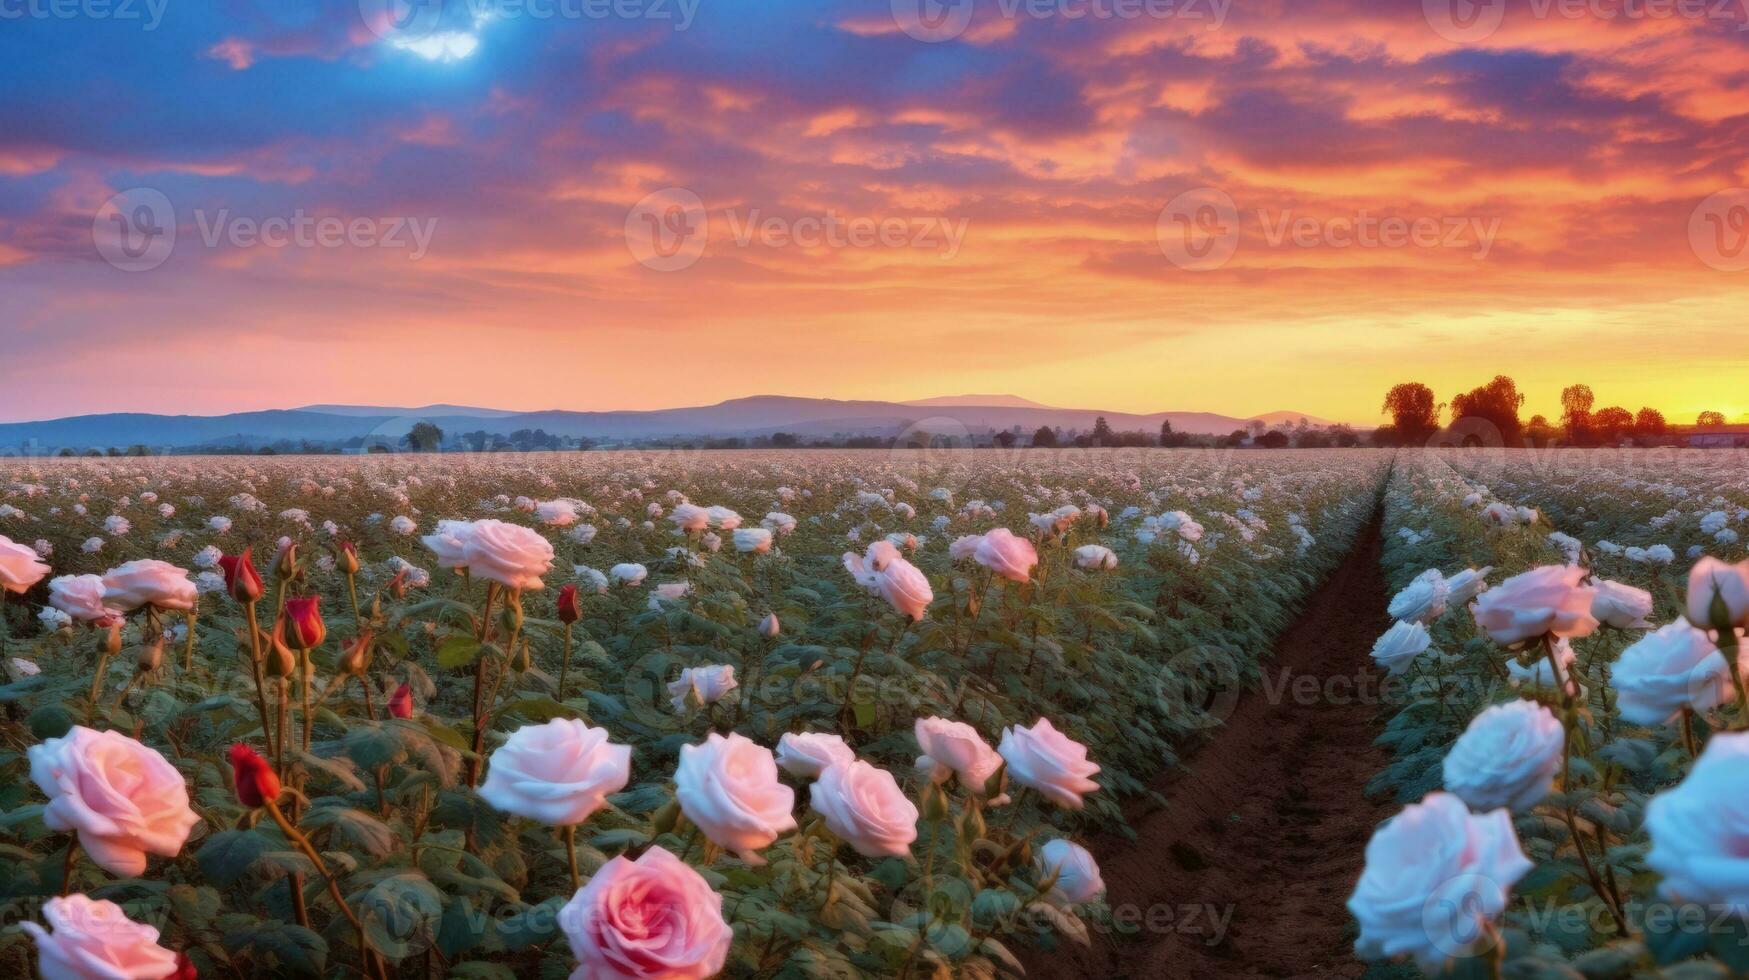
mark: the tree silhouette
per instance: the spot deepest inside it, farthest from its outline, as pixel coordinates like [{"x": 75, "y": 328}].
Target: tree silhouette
[
  {"x": 1101, "y": 431},
  {"x": 1650, "y": 422},
  {"x": 1045, "y": 437},
  {"x": 424, "y": 437},
  {"x": 1576, "y": 402},
  {"x": 1710, "y": 420},
  {"x": 1496, "y": 403},
  {"x": 1414, "y": 412},
  {"x": 1612, "y": 423}
]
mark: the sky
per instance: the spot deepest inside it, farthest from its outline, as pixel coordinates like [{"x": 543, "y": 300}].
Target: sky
[{"x": 1139, "y": 205}]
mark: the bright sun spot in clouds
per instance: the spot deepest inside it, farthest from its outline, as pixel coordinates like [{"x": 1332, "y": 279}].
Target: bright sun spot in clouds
[{"x": 441, "y": 46}]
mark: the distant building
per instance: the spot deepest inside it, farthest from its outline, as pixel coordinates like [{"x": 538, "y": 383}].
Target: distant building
[{"x": 1720, "y": 437}]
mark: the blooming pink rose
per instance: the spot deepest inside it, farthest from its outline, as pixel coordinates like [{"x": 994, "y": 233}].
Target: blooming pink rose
[
  {"x": 558, "y": 773},
  {"x": 650, "y": 919},
  {"x": 95, "y": 940},
  {"x": 124, "y": 800},
  {"x": 81, "y": 597},
  {"x": 954, "y": 748},
  {"x": 806, "y": 754},
  {"x": 19, "y": 567},
  {"x": 1543, "y": 600},
  {"x": 1046, "y": 760},
  {"x": 149, "y": 582},
  {"x": 1011, "y": 557},
  {"x": 509, "y": 554},
  {"x": 885, "y": 573},
  {"x": 866, "y": 808},
  {"x": 728, "y": 787}
]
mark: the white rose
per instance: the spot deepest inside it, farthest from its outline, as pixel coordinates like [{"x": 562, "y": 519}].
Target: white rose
[
  {"x": 708, "y": 684},
  {"x": 1507, "y": 757},
  {"x": 512, "y": 555},
  {"x": 1700, "y": 828},
  {"x": 1621, "y": 606},
  {"x": 1666, "y": 671},
  {"x": 1434, "y": 874},
  {"x": 1076, "y": 872},
  {"x": 1423, "y": 600},
  {"x": 1399, "y": 646}
]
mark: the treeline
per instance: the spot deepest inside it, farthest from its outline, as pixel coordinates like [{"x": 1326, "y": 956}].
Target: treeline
[{"x": 1489, "y": 415}]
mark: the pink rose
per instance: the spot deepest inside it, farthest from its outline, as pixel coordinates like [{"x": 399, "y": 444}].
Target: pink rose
[
  {"x": 558, "y": 773},
  {"x": 1710, "y": 579},
  {"x": 1543, "y": 600},
  {"x": 1046, "y": 760},
  {"x": 806, "y": 754},
  {"x": 124, "y": 800},
  {"x": 651, "y": 918},
  {"x": 149, "y": 582},
  {"x": 1011, "y": 557},
  {"x": 885, "y": 573},
  {"x": 81, "y": 597},
  {"x": 866, "y": 808},
  {"x": 690, "y": 518},
  {"x": 96, "y": 940},
  {"x": 728, "y": 787},
  {"x": 954, "y": 748},
  {"x": 509, "y": 554},
  {"x": 19, "y": 567}
]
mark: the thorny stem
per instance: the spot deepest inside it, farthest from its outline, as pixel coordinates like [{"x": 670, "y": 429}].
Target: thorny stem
[
  {"x": 571, "y": 855},
  {"x": 296, "y": 836}
]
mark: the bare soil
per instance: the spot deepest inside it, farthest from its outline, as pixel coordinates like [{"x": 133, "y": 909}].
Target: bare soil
[{"x": 1266, "y": 822}]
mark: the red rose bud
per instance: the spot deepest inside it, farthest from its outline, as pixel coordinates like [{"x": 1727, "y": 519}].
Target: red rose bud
[
  {"x": 257, "y": 783},
  {"x": 303, "y": 619},
  {"x": 569, "y": 612},
  {"x": 346, "y": 556},
  {"x": 401, "y": 702},
  {"x": 184, "y": 969},
  {"x": 242, "y": 581}
]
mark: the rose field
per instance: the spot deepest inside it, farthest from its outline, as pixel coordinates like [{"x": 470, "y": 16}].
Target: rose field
[{"x": 804, "y": 713}]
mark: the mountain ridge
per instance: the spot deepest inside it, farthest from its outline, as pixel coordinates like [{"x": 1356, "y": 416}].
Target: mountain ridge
[{"x": 750, "y": 416}]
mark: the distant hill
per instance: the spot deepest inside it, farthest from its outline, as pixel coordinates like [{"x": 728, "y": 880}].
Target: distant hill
[{"x": 761, "y": 415}]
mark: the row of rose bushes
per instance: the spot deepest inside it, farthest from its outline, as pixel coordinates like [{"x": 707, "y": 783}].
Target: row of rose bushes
[
  {"x": 553, "y": 751},
  {"x": 1564, "y": 745}
]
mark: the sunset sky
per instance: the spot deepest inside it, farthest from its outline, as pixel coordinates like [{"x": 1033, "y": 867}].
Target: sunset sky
[{"x": 1139, "y": 205}]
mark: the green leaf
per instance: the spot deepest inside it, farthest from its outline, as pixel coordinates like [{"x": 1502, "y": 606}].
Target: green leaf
[
  {"x": 297, "y": 950},
  {"x": 227, "y": 855},
  {"x": 355, "y": 825},
  {"x": 457, "y": 650}
]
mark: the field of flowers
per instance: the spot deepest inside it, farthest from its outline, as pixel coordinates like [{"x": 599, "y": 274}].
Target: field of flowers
[
  {"x": 605, "y": 715},
  {"x": 1568, "y": 738}
]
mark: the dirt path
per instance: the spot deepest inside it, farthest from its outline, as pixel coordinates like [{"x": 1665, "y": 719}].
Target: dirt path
[{"x": 1266, "y": 822}]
